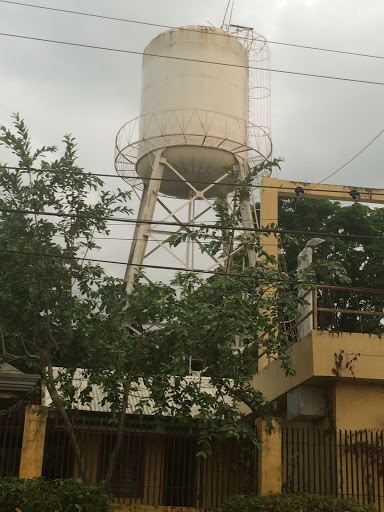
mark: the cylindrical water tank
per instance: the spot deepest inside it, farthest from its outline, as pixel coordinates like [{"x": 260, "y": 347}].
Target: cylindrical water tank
[{"x": 197, "y": 111}]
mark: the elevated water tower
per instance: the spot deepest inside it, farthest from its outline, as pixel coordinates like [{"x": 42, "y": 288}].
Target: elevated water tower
[{"x": 204, "y": 105}]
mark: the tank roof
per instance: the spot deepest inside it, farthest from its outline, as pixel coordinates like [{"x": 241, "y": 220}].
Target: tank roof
[{"x": 192, "y": 28}]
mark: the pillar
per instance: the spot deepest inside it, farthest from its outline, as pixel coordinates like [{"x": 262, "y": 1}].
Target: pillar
[
  {"x": 146, "y": 211},
  {"x": 269, "y": 214},
  {"x": 32, "y": 450},
  {"x": 269, "y": 462}
]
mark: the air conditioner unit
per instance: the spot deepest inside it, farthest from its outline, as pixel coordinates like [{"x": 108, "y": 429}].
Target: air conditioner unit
[{"x": 306, "y": 403}]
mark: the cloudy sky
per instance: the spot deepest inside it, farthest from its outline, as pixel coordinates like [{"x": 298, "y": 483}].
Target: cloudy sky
[{"x": 317, "y": 124}]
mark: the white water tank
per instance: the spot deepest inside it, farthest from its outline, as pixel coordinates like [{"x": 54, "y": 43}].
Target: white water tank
[{"x": 197, "y": 112}]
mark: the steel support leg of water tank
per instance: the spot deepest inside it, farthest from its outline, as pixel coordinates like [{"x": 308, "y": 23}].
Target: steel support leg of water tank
[
  {"x": 246, "y": 216},
  {"x": 146, "y": 211}
]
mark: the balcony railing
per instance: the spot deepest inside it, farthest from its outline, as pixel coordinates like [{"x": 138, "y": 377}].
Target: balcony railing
[{"x": 342, "y": 309}]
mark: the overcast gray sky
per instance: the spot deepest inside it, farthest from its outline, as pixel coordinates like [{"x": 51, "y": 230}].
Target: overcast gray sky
[{"x": 317, "y": 124}]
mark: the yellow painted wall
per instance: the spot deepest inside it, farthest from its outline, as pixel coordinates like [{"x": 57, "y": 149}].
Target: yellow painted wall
[
  {"x": 313, "y": 359},
  {"x": 269, "y": 463},
  {"x": 369, "y": 365},
  {"x": 271, "y": 380},
  {"x": 359, "y": 405},
  {"x": 32, "y": 451}
]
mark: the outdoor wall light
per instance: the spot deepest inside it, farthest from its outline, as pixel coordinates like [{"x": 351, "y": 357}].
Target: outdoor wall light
[{"x": 354, "y": 194}]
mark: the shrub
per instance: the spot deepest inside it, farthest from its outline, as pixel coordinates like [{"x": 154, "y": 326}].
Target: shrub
[
  {"x": 294, "y": 503},
  {"x": 39, "y": 495}
]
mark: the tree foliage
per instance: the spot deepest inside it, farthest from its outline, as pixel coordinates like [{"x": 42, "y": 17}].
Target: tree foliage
[
  {"x": 294, "y": 503},
  {"x": 39, "y": 495},
  {"x": 361, "y": 259},
  {"x": 49, "y": 293},
  {"x": 58, "y": 309}
]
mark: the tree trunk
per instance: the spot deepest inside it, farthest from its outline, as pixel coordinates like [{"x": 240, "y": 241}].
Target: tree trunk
[
  {"x": 48, "y": 376},
  {"x": 123, "y": 413},
  {"x": 120, "y": 436}
]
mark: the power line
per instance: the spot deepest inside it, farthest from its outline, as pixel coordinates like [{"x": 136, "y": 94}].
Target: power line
[
  {"x": 61, "y": 256},
  {"x": 351, "y": 160},
  {"x": 329, "y": 50},
  {"x": 118, "y": 176},
  {"x": 158, "y": 25},
  {"x": 143, "y": 265},
  {"x": 163, "y": 267},
  {"x": 87, "y": 14},
  {"x": 179, "y": 180},
  {"x": 124, "y": 239},
  {"x": 276, "y": 231},
  {"x": 172, "y": 57}
]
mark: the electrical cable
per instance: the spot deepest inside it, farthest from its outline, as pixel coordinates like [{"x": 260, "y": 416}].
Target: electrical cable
[
  {"x": 105, "y": 175},
  {"x": 158, "y": 25},
  {"x": 351, "y": 160},
  {"x": 163, "y": 267},
  {"x": 143, "y": 265},
  {"x": 97, "y": 260},
  {"x": 179, "y": 180},
  {"x": 173, "y": 57},
  {"x": 266, "y": 230},
  {"x": 123, "y": 239}
]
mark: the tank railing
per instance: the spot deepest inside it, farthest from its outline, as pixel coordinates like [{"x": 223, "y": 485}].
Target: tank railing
[
  {"x": 316, "y": 309},
  {"x": 198, "y": 125},
  {"x": 184, "y": 119}
]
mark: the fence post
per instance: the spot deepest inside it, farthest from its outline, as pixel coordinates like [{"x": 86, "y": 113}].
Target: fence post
[
  {"x": 269, "y": 462},
  {"x": 32, "y": 450}
]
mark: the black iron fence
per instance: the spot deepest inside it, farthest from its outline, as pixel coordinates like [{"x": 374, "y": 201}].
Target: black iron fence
[
  {"x": 153, "y": 468},
  {"x": 11, "y": 438},
  {"x": 344, "y": 463},
  {"x": 309, "y": 460},
  {"x": 160, "y": 468}
]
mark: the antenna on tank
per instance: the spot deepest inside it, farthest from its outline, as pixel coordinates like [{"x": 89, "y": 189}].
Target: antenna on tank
[{"x": 228, "y": 13}]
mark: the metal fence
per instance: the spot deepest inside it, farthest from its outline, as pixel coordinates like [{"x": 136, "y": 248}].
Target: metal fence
[
  {"x": 11, "y": 438},
  {"x": 340, "y": 309},
  {"x": 309, "y": 460},
  {"x": 343, "y": 463},
  {"x": 153, "y": 468}
]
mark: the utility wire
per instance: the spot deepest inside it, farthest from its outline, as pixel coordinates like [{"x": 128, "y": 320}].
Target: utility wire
[
  {"x": 162, "y": 267},
  {"x": 172, "y": 57},
  {"x": 351, "y": 160},
  {"x": 191, "y": 225},
  {"x": 179, "y": 180},
  {"x": 143, "y": 265},
  {"x": 61, "y": 256},
  {"x": 138, "y": 22},
  {"x": 123, "y": 239}
]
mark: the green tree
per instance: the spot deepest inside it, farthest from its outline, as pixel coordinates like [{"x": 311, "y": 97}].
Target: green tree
[
  {"x": 58, "y": 309},
  {"x": 200, "y": 319},
  {"x": 48, "y": 291},
  {"x": 361, "y": 259}
]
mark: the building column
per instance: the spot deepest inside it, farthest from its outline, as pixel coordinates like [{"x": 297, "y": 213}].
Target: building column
[
  {"x": 269, "y": 217},
  {"x": 269, "y": 462},
  {"x": 269, "y": 214},
  {"x": 32, "y": 450}
]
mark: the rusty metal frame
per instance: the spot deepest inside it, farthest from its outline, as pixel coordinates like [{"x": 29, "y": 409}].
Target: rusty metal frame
[
  {"x": 316, "y": 309},
  {"x": 134, "y": 140}
]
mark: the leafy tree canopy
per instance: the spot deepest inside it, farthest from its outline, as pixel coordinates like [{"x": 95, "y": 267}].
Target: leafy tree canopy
[
  {"x": 361, "y": 259},
  {"x": 58, "y": 309}
]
